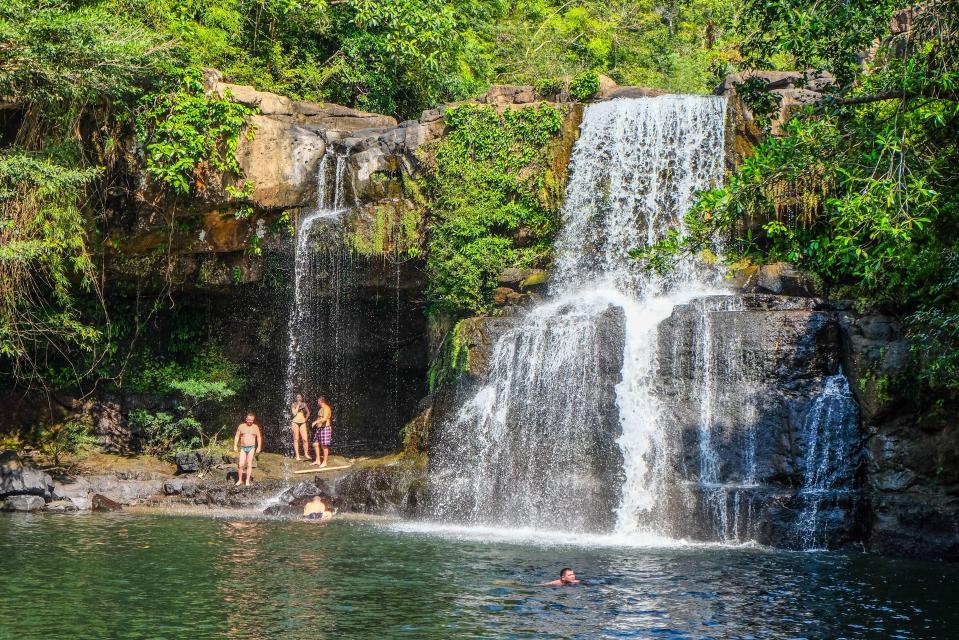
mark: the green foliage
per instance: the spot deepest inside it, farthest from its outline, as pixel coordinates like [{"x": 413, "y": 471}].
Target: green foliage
[
  {"x": 763, "y": 104},
  {"x": 584, "y": 86},
  {"x": 188, "y": 134},
  {"x": 67, "y": 57},
  {"x": 548, "y": 87},
  {"x": 491, "y": 182},
  {"x": 208, "y": 374},
  {"x": 391, "y": 56},
  {"x": 826, "y": 35},
  {"x": 452, "y": 361},
  {"x": 411, "y": 53},
  {"x": 680, "y": 45},
  {"x": 935, "y": 346},
  {"x": 165, "y": 433},
  {"x": 69, "y": 437},
  {"x": 59, "y": 65},
  {"x": 861, "y": 189}
]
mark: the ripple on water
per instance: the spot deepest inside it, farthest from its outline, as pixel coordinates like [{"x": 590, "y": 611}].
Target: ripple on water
[{"x": 136, "y": 576}]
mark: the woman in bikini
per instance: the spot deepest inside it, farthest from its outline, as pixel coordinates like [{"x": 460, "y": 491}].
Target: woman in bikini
[{"x": 301, "y": 413}]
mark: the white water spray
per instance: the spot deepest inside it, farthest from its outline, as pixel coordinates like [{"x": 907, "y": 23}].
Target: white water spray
[{"x": 531, "y": 448}]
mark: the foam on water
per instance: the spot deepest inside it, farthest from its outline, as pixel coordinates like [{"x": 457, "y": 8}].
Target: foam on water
[{"x": 529, "y": 536}]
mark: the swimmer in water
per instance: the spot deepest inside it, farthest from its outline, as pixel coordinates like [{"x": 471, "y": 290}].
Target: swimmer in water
[
  {"x": 567, "y": 578},
  {"x": 316, "y": 509}
]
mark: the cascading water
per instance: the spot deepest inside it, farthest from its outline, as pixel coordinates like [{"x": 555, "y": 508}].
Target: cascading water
[
  {"x": 563, "y": 433},
  {"x": 829, "y": 428},
  {"x": 301, "y": 347},
  {"x": 350, "y": 320}
]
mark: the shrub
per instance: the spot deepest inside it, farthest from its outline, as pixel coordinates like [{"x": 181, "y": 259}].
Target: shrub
[
  {"x": 584, "y": 86},
  {"x": 188, "y": 133},
  {"x": 492, "y": 179}
]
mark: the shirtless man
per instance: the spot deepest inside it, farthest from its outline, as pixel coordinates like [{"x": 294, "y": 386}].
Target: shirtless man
[
  {"x": 248, "y": 442},
  {"x": 567, "y": 578},
  {"x": 316, "y": 509},
  {"x": 323, "y": 432},
  {"x": 301, "y": 414}
]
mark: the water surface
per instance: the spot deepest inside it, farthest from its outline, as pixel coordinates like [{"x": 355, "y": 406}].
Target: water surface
[{"x": 153, "y": 576}]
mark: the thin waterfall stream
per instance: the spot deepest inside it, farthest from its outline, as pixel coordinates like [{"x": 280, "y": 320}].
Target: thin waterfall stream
[{"x": 330, "y": 205}]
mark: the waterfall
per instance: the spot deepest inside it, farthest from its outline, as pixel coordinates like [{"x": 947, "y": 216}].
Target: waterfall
[
  {"x": 308, "y": 267},
  {"x": 565, "y": 433},
  {"x": 828, "y": 429}
]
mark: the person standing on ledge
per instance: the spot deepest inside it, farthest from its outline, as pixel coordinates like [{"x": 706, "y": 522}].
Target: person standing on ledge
[
  {"x": 323, "y": 431},
  {"x": 301, "y": 414},
  {"x": 248, "y": 442},
  {"x": 567, "y": 578}
]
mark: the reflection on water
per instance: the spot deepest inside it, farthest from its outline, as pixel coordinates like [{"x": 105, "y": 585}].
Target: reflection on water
[{"x": 136, "y": 576}]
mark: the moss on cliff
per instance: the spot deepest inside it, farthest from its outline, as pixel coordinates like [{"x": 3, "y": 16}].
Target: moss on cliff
[{"x": 494, "y": 198}]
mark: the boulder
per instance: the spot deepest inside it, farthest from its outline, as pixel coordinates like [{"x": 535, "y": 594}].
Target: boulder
[
  {"x": 61, "y": 506},
  {"x": 503, "y": 296},
  {"x": 780, "y": 278},
  {"x": 282, "y": 161},
  {"x": 194, "y": 461},
  {"x": 325, "y": 116},
  {"x": 18, "y": 479},
  {"x": 125, "y": 490},
  {"x": 792, "y": 88},
  {"x": 173, "y": 487},
  {"x": 606, "y": 86},
  {"x": 23, "y": 503},
  {"x": 632, "y": 92},
  {"x": 504, "y": 95},
  {"x": 390, "y": 487},
  {"x": 102, "y": 503}
]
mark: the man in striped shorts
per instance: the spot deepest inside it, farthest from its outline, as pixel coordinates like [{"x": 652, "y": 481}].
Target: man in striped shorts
[{"x": 322, "y": 432}]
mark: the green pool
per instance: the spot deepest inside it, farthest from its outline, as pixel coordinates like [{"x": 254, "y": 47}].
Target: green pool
[{"x": 154, "y": 576}]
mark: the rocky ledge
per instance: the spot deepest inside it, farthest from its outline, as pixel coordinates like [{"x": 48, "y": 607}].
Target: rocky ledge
[{"x": 389, "y": 486}]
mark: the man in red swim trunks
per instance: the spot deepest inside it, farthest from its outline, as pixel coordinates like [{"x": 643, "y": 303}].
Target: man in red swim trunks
[{"x": 322, "y": 432}]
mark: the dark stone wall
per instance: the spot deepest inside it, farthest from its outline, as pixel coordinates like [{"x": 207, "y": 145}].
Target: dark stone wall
[{"x": 767, "y": 358}]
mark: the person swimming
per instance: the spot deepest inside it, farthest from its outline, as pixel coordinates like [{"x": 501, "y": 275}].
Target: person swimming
[
  {"x": 316, "y": 509},
  {"x": 567, "y": 578},
  {"x": 301, "y": 414}
]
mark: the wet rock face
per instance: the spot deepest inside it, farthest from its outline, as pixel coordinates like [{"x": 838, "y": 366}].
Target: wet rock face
[
  {"x": 911, "y": 477},
  {"x": 394, "y": 488},
  {"x": 738, "y": 377},
  {"x": 556, "y": 433},
  {"x": 194, "y": 461}
]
